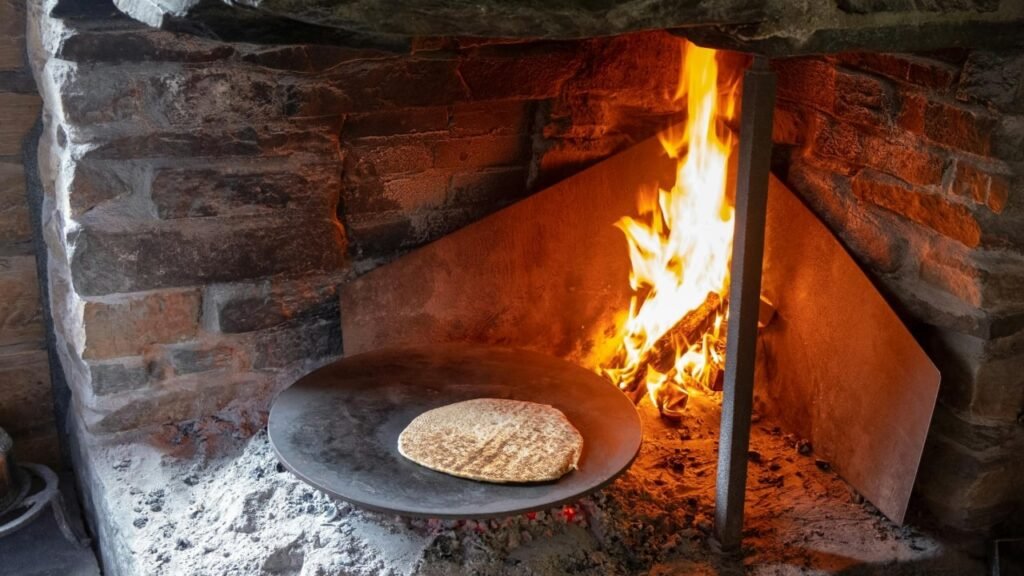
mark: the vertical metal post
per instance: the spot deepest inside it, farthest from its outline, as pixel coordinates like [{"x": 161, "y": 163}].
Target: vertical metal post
[{"x": 755, "y": 143}]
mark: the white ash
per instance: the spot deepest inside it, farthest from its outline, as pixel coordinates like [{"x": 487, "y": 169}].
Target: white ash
[{"x": 241, "y": 513}]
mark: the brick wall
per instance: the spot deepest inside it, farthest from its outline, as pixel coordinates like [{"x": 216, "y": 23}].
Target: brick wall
[
  {"x": 916, "y": 163},
  {"x": 26, "y": 405},
  {"x": 203, "y": 200}
]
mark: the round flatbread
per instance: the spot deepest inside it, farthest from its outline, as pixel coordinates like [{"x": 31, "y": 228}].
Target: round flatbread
[{"x": 494, "y": 440}]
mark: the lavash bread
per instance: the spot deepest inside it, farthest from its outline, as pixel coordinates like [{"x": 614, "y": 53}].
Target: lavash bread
[{"x": 493, "y": 440}]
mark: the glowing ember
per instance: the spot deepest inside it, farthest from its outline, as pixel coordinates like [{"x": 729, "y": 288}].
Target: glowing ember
[{"x": 679, "y": 247}]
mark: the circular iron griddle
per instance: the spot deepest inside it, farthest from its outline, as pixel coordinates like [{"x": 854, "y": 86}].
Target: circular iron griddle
[{"x": 338, "y": 427}]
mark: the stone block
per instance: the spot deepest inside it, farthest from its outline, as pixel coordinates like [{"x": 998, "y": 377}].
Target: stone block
[
  {"x": 93, "y": 182},
  {"x": 187, "y": 400},
  {"x": 391, "y": 156},
  {"x": 129, "y": 325},
  {"x": 121, "y": 376},
  {"x": 482, "y": 152},
  {"x": 310, "y": 58},
  {"x": 14, "y": 216},
  {"x": 12, "y": 35},
  {"x": 26, "y": 397},
  {"x": 952, "y": 220},
  {"x": 970, "y": 474},
  {"x": 190, "y": 252},
  {"x": 18, "y": 113},
  {"x": 237, "y": 189},
  {"x": 303, "y": 343},
  {"x": 994, "y": 79},
  {"x": 392, "y": 122},
  {"x": 21, "y": 316},
  {"x": 106, "y": 99},
  {"x": 237, "y": 308},
  {"x": 137, "y": 45},
  {"x": 194, "y": 358},
  {"x": 863, "y": 100},
  {"x": 266, "y": 141}
]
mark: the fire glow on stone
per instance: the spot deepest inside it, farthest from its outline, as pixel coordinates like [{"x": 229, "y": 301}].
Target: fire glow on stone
[{"x": 672, "y": 342}]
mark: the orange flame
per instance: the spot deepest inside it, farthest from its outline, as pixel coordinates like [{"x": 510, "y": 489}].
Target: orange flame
[{"x": 679, "y": 248}]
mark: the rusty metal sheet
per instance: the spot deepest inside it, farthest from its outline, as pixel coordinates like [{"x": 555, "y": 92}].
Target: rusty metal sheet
[
  {"x": 547, "y": 273},
  {"x": 838, "y": 365}
]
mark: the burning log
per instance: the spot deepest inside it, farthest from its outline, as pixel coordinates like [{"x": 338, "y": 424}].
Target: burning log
[{"x": 691, "y": 328}]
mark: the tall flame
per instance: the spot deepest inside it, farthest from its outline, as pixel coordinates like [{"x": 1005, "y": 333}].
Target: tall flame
[{"x": 679, "y": 248}]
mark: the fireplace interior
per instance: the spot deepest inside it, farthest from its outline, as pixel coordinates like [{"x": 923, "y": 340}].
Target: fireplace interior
[{"x": 206, "y": 203}]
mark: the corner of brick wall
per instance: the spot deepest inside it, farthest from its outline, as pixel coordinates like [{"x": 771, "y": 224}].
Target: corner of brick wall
[
  {"x": 915, "y": 162},
  {"x": 26, "y": 399},
  {"x": 204, "y": 200}
]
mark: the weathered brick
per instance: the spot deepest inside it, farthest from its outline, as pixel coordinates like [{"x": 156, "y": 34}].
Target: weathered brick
[
  {"x": 21, "y": 320},
  {"x": 391, "y": 122},
  {"x": 951, "y": 126},
  {"x": 998, "y": 193},
  {"x": 969, "y": 182},
  {"x": 392, "y": 156},
  {"x": 14, "y": 216},
  {"x": 267, "y": 141},
  {"x": 193, "y": 358},
  {"x": 862, "y": 99},
  {"x": 492, "y": 118},
  {"x": 495, "y": 187},
  {"x": 120, "y": 376},
  {"x": 952, "y": 220},
  {"x": 18, "y": 113},
  {"x": 128, "y": 325},
  {"x": 788, "y": 126},
  {"x": 236, "y": 189},
  {"x": 643, "y": 64},
  {"x": 310, "y": 342},
  {"x": 310, "y": 58},
  {"x": 404, "y": 82},
  {"x": 481, "y": 152},
  {"x": 180, "y": 403},
  {"x": 525, "y": 72},
  {"x": 807, "y": 81},
  {"x": 190, "y": 252},
  {"x": 27, "y": 398},
  {"x": 917, "y": 70},
  {"x": 901, "y": 158},
  {"x": 237, "y": 308},
  {"x": 425, "y": 190}
]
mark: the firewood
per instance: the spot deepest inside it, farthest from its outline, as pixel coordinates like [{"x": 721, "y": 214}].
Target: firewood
[{"x": 687, "y": 331}]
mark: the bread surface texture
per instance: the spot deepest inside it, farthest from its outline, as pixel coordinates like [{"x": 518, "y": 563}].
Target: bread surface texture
[{"x": 494, "y": 440}]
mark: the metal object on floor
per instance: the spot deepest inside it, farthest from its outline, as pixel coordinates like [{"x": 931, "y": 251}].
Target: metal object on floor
[
  {"x": 755, "y": 145},
  {"x": 338, "y": 428},
  {"x": 19, "y": 505}
]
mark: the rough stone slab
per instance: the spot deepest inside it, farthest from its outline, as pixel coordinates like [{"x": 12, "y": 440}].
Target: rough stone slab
[
  {"x": 265, "y": 141},
  {"x": 306, "y": 342},
  {"x": 234, "y": 189},
  {"x": 237, "y": 308},
  {"x": 21, "y": 317},
  {"x": 27, "y": 399},
  {"x": 139, "y": 44},
  {"x": 127, "y": 326},
  {"x": 201, "y": 251},
  {"x": 14, "y": 216},
  {"x": 18, "y": 113}
]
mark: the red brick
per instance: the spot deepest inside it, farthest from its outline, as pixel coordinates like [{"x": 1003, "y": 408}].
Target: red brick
[
  {"x": 902, "y": 158},
  {"x": 504, "y": 73},
  {"x": 998, "y": 193},
  {"x": 390, "y": 122},
  {"x": 806, "y": 81},
  {"x": 482, "y": 152},
  {"x": 952, "y": 220},
  {"x": 418, "y": 192},
  {"x": 951, "y": 126},
  {"x": 393, "y": 155},
  {"x": 788, "y": 126},
  {"x": 492, "y": 118},
  {"x": 862, "y": 99},
  {"x": 917, "y": 70},
  {"x": 971, "y": 183},
  {"x": 127, "y": 325}
]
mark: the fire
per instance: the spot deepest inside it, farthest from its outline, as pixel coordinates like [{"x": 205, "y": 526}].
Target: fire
[{"x": 679, "y": 246}]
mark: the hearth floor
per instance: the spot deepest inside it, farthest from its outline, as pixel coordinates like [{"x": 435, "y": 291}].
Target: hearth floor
[{"x": 240, "y": 513}]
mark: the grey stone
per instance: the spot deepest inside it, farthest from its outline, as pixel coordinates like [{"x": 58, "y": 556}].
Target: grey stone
[
  {"x": 189, "y": 252},
  {"x": 311, "y": 341},
  {"x": 234, "y": 308},
  {"x": 120, "y": 376},
  {"x": 235, "y": 189},
  {"x": 195, "y": 358}
]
